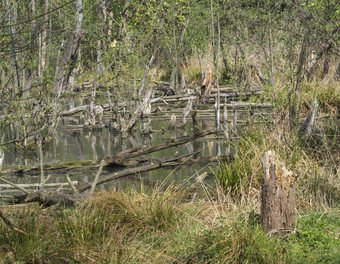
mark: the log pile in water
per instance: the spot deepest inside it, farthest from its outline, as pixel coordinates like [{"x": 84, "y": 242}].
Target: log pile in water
[{"x": 48, "y": 197}]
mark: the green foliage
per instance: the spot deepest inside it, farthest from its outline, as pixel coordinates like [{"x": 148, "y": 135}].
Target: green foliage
[
  {"x": 228, "y": 176},
  {"x": 316, "y": 239}
]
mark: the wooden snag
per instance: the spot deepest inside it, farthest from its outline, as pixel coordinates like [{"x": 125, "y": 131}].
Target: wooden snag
[
  {"x": 278, "y": 195},
  {"x": 9, "y": 223},
  {"x": 307, "y": 125},
  {"x": 207, "y": 83}
]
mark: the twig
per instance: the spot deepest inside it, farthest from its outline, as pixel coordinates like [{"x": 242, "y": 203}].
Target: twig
[
  {"x": 74, "y": 189},
  {"x": 6, "y": 197},
  {"x": 42, "y": 177},
  {"x": 14, "y": 185},
  {"x": 42, "y": 185},
  {"x": 60, "y": 187},
  {"x": 94, "y": 184},
  {"x": 7, "y": 222}
]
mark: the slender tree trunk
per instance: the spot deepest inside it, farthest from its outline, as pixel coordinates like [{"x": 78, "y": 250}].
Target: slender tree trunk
[
  {"x": 175, "y": 70},
  {"x": 147, "y": 66},
  {"x": 293, "y": 103},
  {"x": 43, "y": 41},
  {"x": 200, "y": 62},
  {"x": 216, "y": 73},
  {"x": 94, "y": 86},
  {"x": 216, "y": 50},
  {"x": 60, "y": 48},
  {"x": 272, "y": 78},
  {"x": 212, "y": 30},
  {"x": 109, "y": 31},
  {"x": 14, "y": 50},
  {"x": 122, "y": 33},
  {"x": 34, "y": 29},
  {"x": 71, "y": 53},
  {"x": 41, "y": 159}
]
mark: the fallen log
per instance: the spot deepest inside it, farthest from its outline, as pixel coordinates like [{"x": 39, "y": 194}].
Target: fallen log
[
  {"x": 226, "y": 93},
  {"x": 35, "y": 185},
  {"x": 49, "y": 197},
  {"x": 165, "y": 91},
  {"x": 236, "y": 94},
  {"x": 54, "y": 166},
  {"x": 83, "y": 108},
  {"x": 186, "y": 97},
  {"x": 132, "y": 153},
  {"x": 109, "y": 160},
  {"x": 132, "y": 171},
  {"x": 136, "y": 162}
]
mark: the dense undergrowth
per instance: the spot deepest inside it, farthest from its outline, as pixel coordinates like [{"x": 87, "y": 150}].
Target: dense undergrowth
[
  {"x": 155, "y": 227},
  {"x": 221, "y": 225}
]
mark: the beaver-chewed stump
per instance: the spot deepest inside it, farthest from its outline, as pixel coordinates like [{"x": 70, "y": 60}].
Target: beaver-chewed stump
[{"x": 278, "y": 195}]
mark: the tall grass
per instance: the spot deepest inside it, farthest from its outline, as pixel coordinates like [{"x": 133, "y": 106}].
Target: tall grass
[{"x": 142, "y": 226}]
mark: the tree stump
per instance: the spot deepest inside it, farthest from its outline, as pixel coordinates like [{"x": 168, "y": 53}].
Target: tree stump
[{"x": 278, "y": 195}]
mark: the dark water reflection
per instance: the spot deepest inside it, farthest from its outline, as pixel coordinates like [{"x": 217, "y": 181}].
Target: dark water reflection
[{"x": 72, "y": 144}]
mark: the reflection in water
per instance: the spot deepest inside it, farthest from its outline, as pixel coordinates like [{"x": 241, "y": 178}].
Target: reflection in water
[{"x": 72, "y": 143}]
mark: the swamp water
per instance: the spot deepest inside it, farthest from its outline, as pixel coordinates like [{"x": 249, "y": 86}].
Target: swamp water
[{"x": 73, "y": 143}]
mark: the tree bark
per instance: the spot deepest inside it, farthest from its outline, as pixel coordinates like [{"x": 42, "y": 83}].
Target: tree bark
[{"x": 278, "y": 195}]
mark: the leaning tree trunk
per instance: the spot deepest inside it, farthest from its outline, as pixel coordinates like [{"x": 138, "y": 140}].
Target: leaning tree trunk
[{"x": 278, "y": 195}]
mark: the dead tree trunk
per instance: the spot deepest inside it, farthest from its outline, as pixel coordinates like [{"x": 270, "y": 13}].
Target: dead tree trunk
[
  {"x": 278, "y": 195},
  {"x": 200, "y": 62},
  {"x": 71, "y": 53},
  {"x": 306, "y": 127},
  {"x": 147, "y": 66}
]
